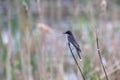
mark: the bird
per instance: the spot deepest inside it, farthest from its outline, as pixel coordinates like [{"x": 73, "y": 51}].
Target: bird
[{"x": 71, "y": 39}]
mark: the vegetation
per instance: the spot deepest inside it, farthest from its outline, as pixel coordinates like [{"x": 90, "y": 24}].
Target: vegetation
[{"x": 33, "y": 46}]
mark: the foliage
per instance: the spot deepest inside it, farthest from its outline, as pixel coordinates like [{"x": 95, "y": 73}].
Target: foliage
[{"x": 87, "y": 67}]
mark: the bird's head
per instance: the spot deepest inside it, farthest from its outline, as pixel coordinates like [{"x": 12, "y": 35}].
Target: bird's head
[{"x": 68, "y": 32}]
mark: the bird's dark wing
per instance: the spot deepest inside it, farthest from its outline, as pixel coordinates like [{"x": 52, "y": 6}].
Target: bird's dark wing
[
  {"x": 73, "y": 41},
  {"x": 78, "y": 52}
]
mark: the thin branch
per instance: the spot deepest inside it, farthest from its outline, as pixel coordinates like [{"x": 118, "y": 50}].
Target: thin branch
[
  {"x": 76, "y": 62},
  {"x": 98, "y": 49}
]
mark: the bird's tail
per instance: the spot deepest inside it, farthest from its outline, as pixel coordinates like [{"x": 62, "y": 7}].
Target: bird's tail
[{"x": 78, "y": 52}]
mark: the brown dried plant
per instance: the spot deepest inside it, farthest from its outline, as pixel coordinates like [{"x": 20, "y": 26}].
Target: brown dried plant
[{"x": 99, "y": 53}]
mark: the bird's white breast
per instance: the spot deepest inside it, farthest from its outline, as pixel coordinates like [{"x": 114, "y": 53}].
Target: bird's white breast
[{"x": 66, "y": 35}]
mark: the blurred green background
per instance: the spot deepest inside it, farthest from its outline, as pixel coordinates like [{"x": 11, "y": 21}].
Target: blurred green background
[{"x": 33, "y": 46}]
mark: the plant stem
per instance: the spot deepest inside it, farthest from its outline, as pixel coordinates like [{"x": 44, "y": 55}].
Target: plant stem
[
  {"x": 76, "y": 61},
  {"x": 98, "y": 49}
]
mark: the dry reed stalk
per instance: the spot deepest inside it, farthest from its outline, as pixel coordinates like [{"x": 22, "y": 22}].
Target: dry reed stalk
[
  {"x": 9, "y": 47},
  {"x": 28, "y": 40},
  {"x": 76, "y": 62},
  {"x": 41, "y": 68},
  {"x": 44, "y": 31},
  {"x": 100, "y": 57},
  {"x": 22, "y": 13},
  {"x": 21, "y": 40}
]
